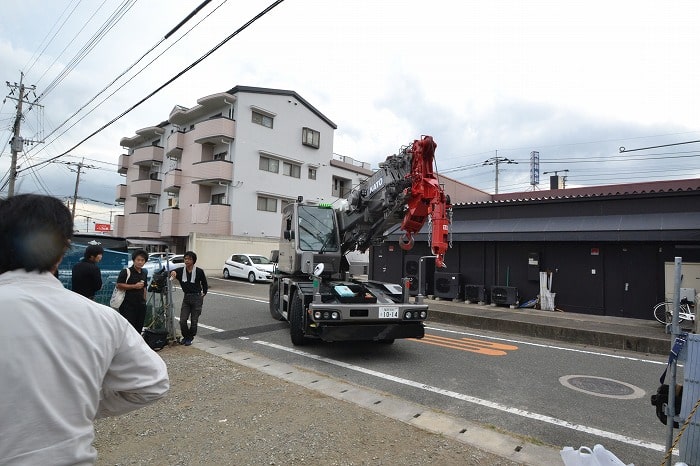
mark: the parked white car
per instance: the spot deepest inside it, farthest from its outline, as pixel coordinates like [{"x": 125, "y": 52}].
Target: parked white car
[
  {"x": 253, "y": 267},
  {"x": 176, "y": 261}
]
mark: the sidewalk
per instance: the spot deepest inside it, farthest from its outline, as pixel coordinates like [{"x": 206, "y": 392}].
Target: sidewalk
[{"x": 643, "y": 336}]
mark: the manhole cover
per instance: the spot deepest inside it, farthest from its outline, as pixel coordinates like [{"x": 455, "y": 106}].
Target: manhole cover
[{"x": 601, "y": 386}]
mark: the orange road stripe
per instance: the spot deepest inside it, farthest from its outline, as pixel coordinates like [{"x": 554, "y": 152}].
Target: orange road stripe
[
  {"x": 467, "y": 344},
  {"x": 470, "y": 341}
]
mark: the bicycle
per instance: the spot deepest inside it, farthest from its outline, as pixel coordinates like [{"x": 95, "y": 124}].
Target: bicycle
[{"x": 663, "y": 311}]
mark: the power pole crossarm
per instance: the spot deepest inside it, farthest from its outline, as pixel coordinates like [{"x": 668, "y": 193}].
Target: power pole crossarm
[{"x": 496, "y": 161}]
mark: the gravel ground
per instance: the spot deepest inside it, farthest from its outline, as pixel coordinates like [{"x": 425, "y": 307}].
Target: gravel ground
[{"x": 221, "y": 413}]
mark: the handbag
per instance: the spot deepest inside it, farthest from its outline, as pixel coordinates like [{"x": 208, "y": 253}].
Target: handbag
[
  {"x": 157, "y": 339},
  {"x": 118, "y": 295}
]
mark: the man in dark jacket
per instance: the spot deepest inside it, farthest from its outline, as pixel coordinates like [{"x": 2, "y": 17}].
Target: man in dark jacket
[
  {"x": 86, "y": 277},
  {"x": 194, "y": 284}
]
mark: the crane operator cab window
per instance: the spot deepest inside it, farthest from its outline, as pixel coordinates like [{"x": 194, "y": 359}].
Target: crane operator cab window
[{"x": 317, "y": 230}]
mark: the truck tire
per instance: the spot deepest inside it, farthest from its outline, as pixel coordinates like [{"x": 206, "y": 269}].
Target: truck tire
[
  {"x": 296, "y": 321},
  {"x": 275, "y": 301}
]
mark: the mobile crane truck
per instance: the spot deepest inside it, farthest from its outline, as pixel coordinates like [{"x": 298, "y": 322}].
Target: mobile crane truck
[{"x": 311, "y": 287}]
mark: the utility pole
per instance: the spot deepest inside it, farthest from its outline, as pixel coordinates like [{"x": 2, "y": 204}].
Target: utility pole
[
  {"x": 17, "y": 142},
  {"x": 80, "y": 166},
  {"x": 496, "y": 161},
  {"x": 75, "y": 193}
]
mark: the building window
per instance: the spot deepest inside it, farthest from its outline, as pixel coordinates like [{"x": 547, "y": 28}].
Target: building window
[
  {"x": 312, "y": 173},
  {"x": 261, "y": 119},
  {"x": 269, "y": 165},
  {"x": 267, "y": 204},
  {"x": 310, "y": 137},
  {"x": 220, "y": 156},
  {"x": 218, "y": 199},
  {"x": 291, "y": 169}
]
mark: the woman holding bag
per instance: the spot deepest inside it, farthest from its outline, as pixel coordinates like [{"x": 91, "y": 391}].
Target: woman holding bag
[{"x": 134, "y": 284}]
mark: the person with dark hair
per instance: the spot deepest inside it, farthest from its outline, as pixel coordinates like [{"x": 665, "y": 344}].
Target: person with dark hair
[
  {"x": 194, "y": 284},
  {"x": 86, "y": 278},
  {"x": 66, "y": 359},
  {"x": 134, "y": 284}
]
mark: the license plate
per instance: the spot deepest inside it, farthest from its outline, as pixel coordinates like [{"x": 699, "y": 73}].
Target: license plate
[{"x": 388, "y": 312}]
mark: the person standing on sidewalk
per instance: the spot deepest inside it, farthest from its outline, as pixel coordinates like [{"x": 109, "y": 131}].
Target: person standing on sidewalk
[
  {"x": 86, "y": 278},
  {"x": 194, "y": 284},
  {"x": 134, "y": 306},
  {"x": 66, "y": 360}
]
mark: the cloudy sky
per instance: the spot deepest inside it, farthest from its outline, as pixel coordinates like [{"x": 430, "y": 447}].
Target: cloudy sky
[{"x": 573, "y": 80}]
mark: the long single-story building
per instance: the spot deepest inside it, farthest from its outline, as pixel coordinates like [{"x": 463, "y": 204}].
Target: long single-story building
[{"x": 607, "y": 249}]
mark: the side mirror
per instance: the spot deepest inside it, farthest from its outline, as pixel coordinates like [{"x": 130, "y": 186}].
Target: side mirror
[{"x": 289, "y": 235}]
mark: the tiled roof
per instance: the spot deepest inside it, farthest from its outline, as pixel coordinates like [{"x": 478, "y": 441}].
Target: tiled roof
[{"x": 627, "y": 189}]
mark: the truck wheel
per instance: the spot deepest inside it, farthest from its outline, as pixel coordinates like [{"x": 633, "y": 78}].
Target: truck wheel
[
  {"x": 275, "y": 301},
  {"x": 296, "y": 321}
]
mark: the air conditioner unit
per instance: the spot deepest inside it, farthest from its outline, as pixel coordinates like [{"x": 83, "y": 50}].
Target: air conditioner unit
[
  {"x": 504, "y": 295},
  {"x": 475, "y": 294},
  {"x": 411, "y": 270},
  {"x": 172, "y": 202},
  {"x": 447, "y": 285}
]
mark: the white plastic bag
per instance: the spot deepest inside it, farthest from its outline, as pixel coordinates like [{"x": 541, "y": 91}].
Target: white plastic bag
[
  {"x": 581, "y": 457},
  {"x": 584, "y": 456}
]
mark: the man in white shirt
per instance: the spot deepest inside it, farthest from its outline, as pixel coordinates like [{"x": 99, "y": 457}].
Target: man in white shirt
[{"x": 65, "y": 359}]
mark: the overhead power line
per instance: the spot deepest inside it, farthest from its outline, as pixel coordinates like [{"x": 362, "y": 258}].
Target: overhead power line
[
  {"x": 168, "y": 82},
  {"x": 129, "y": 68}
]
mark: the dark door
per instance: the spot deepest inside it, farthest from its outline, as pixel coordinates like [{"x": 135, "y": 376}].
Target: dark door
[{"x": 630, "y": 280}]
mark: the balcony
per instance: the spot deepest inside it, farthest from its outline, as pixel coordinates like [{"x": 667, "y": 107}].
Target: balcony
[
  {"x": 143, "y": 224},
  {"x": 170, "y": 222},
  {"x": 147, "y": 155},
  {"x": 172, "y": 181},
  {"x": 214, "y": 131},
  {"x": 212, "y": 219},
  {"x": 174, "y": 145},
  {"x": 121, "y": 193},
  {"x": 212, "y": 172},
  {"x": 124, "y": 160},
  {"x": 144, "y": 188}
]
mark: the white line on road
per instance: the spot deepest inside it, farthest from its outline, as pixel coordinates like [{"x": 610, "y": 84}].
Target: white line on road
[
  {"x": 542, "y": 345},
  {"x": 474, "y": 400}
]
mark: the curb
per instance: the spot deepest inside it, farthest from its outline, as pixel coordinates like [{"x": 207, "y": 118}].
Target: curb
[{"x": 592, "y": 337}]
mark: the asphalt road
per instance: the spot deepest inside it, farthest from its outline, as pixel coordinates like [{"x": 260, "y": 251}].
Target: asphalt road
[{"x": 558, "y": 394}]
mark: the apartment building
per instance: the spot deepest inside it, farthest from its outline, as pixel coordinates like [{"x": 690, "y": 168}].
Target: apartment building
[{"x": 227, "y": 166}]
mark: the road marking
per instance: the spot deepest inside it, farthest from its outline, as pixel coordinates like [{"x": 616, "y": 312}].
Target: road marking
[
  {"x": 542, "y": 345},
  {"x": 487, "y": 348},
  {"x": 602, "y": 386},
  {"x": 477, "y": 401}
]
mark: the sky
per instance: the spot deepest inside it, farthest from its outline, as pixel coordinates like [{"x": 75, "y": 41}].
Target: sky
[{"x": 572, "y": 80}]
